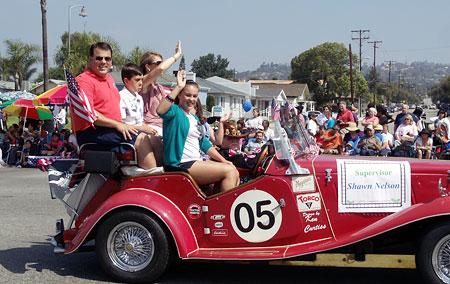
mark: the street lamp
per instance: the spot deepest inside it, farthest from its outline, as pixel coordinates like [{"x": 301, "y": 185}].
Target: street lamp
[{"x": 83, "y": 13}]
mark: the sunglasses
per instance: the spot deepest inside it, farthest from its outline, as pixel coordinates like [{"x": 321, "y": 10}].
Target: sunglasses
[
  {"x": 156, "y": 63},
  {"x": 99, "y": 58}
]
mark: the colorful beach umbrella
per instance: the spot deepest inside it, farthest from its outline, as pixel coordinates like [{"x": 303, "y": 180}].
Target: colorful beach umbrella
[
  {"x": 25, "y": 108},
  {"x": 16, "y": 95},
  {"x": 7, "y": 103},
  {"x": 55, "y": 96}
]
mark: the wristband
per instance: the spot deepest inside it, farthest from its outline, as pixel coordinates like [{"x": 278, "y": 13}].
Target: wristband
[{"x": 170, "y": 99}]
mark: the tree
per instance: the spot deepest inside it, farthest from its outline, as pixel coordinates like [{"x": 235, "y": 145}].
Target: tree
[
  {"x": 210, "y": 102},
  {"x": 53, "y": 73},
  {"x": 325, "y": 68},
  {"x": 182, "y": 65},
  {"x": 441, "y": 92},
  {"x": 20, "y": 57},
  {"x": 79, "y": 51},
  {"x": 210, "y": 65},
  {"x": 135, "y": 55}
]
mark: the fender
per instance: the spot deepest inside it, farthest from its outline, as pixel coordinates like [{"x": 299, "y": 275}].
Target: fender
[
  {"x": 152, "y": 201},
  {"x": 420, "y": 211}
]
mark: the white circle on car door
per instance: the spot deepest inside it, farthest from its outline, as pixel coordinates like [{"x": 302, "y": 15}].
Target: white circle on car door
[{"x": 256, "y": 216}]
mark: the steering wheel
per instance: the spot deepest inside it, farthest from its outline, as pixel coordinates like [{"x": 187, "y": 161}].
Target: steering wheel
[{"x": 260, "y": 160}]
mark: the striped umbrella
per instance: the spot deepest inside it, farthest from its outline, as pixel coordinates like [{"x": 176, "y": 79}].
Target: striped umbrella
[
  {"x": 25, "y": 108},
  {"x": 55, "y": 96}
]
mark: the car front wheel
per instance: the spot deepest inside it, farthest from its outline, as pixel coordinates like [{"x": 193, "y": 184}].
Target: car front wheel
[
  {"x": 133, "y": 247},
  {"x": 433, "y": 255}
]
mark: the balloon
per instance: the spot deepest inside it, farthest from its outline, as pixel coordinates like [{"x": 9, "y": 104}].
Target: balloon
[{"x": 247, "y": 106}]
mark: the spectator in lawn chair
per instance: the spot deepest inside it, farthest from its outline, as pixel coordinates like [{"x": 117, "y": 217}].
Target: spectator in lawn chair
[
  {"x": 54, "y": 147},
  {"x": 352, "y": 137},
  {"x": 30, "y": 149},
  {"x": 406, "y": 131},
  {"x": 424, "y": 144},
  {"x": 371, "y": 118},
  {"x": 16, "y": 146},
  {"x": 369, "y": 144},
  {"x": 325, "y": 115},
  {"x": 332, "y": 141},
  {"x": 344, "y": 115},
  {"x": 442, "y": 129},
  {"x": 388, "y": 141},
  {"x": 399, "y": 119}
]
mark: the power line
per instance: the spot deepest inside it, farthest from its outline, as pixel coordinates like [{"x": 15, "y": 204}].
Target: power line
[{"x": 361, "y": 35}]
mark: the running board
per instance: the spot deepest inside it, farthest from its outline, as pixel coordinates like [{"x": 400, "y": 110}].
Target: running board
[{"x": 348, "y": 260}]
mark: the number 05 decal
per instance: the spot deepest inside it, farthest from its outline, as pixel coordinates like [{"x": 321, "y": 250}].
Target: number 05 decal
[{"x": 256, "y": 216}]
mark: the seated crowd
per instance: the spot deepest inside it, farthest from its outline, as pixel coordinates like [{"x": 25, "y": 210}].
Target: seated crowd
[
  {"x": 345, "y": 135},
  {"x": 20, "y": 141}
]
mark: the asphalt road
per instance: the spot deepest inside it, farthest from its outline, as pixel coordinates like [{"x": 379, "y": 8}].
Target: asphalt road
[{"x": 27, "y": 216}]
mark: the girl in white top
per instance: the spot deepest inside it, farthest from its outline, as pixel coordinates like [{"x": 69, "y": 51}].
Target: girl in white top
[{"x": 424, "y": 143}]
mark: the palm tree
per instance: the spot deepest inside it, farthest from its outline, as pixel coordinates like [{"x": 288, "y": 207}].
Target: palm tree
[
  {"x": 20, "y": 57},
  {"x": 44, "y": 42}
]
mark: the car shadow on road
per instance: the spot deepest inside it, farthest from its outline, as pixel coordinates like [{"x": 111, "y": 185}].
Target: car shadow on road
[{"x": 39, "y": 257}]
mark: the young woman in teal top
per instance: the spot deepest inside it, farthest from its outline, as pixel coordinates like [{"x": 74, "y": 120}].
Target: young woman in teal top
[{"x": 184, "y": 138}]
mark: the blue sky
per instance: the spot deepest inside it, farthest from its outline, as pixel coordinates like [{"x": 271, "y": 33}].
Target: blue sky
[{"x": 245, "y": 32}]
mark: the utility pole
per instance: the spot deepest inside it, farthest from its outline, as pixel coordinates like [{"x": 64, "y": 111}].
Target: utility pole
[
  {"x": 374, "y": 69},
  {"x": 390, "y": 67},
  {"x": 44, "y": 42},
  {"x": 360, "y": 36},
  {"x": 351, "y": 72}
]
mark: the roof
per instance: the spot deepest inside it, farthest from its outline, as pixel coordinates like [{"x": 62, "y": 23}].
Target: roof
[
  {"x": 54, "y": 81},
  {"x": 278, "y": 82},
  {"x": 7, "y": 86},
  {"x": 290, "y": 90},
  {"x": 215, "y": 88}
]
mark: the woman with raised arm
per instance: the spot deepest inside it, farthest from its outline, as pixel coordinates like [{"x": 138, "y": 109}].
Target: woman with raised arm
[
  {"x": 153, "y": 93},
  {"x": 184, "y": 138}
]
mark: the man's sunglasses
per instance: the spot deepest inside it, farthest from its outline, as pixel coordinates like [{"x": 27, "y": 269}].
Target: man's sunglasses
[{"x": 99, "y": 58}]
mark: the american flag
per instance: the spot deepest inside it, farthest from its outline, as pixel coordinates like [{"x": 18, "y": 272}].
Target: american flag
[
  {"x": 275, "y": 108},
  {"x": 287, "y": 108},
  {"x": 79, "y": 101},
  {"x": 43, "y": 163}
]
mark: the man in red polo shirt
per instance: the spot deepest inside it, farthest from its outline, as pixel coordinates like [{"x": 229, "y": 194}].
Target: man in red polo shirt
[
  {"x": 344, "y": 114},
  {"x": 103, "y": 95}
]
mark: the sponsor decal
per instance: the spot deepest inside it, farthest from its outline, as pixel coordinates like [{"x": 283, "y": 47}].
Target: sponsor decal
[
  {"x": 309, "y": 202},
  {"x": 220, "y": 232},
  {"x": 218, "y": 225},
  {"x": 311, "y": 217},
  {"x": 373, "y": 186},
  {"x": 303, "y": 184},
  {"x": 194, "y": 211},
  {"x": 217, "y": 217},
  {"x": 308, "y": 228}
]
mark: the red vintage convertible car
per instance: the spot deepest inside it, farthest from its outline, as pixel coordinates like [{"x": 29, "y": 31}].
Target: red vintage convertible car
[{"x": 295, "y": 207}]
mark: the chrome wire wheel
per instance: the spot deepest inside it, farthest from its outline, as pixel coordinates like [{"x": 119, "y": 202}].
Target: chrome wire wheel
[
  {"x": 130, "y": 246},
  {"x": 441, "y": 259}
]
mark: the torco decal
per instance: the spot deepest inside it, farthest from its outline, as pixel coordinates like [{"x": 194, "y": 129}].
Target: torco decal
[
  {"x": 217, "y": 217},
  {"x": 309, "y": 202},
  {"x": 194, "y": 211},
  {"x": 256, "y": 216},
  {"x": 220, "y": 233},
  {"x": 303, "y": 184},
  {"x": 218, "y": 225}
]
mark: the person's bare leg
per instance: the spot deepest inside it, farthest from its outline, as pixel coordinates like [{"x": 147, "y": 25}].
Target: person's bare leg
[
  {"x": 157, "y": 146},
  {"x": 206, "y": 172},
  {"x": 419, "y": 154},
  {"x": 428, "y": 155},
  {"x": 146, "y": 158}
]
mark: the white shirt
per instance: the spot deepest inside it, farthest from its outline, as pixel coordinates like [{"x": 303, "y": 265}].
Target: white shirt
[
  {"x": 388, "y": 137},
  {"x": 268, "y": 134},
  {"x": 131, "y": 107},
  {"x": 419, "y": 142},
  {"x": 73, "y": 140},
  {"x": 312, "y": 125},
  {"x": 61, "y": 116},
  {"x": 254, "y": 122},
  {"x": 191, "y": 150}
]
